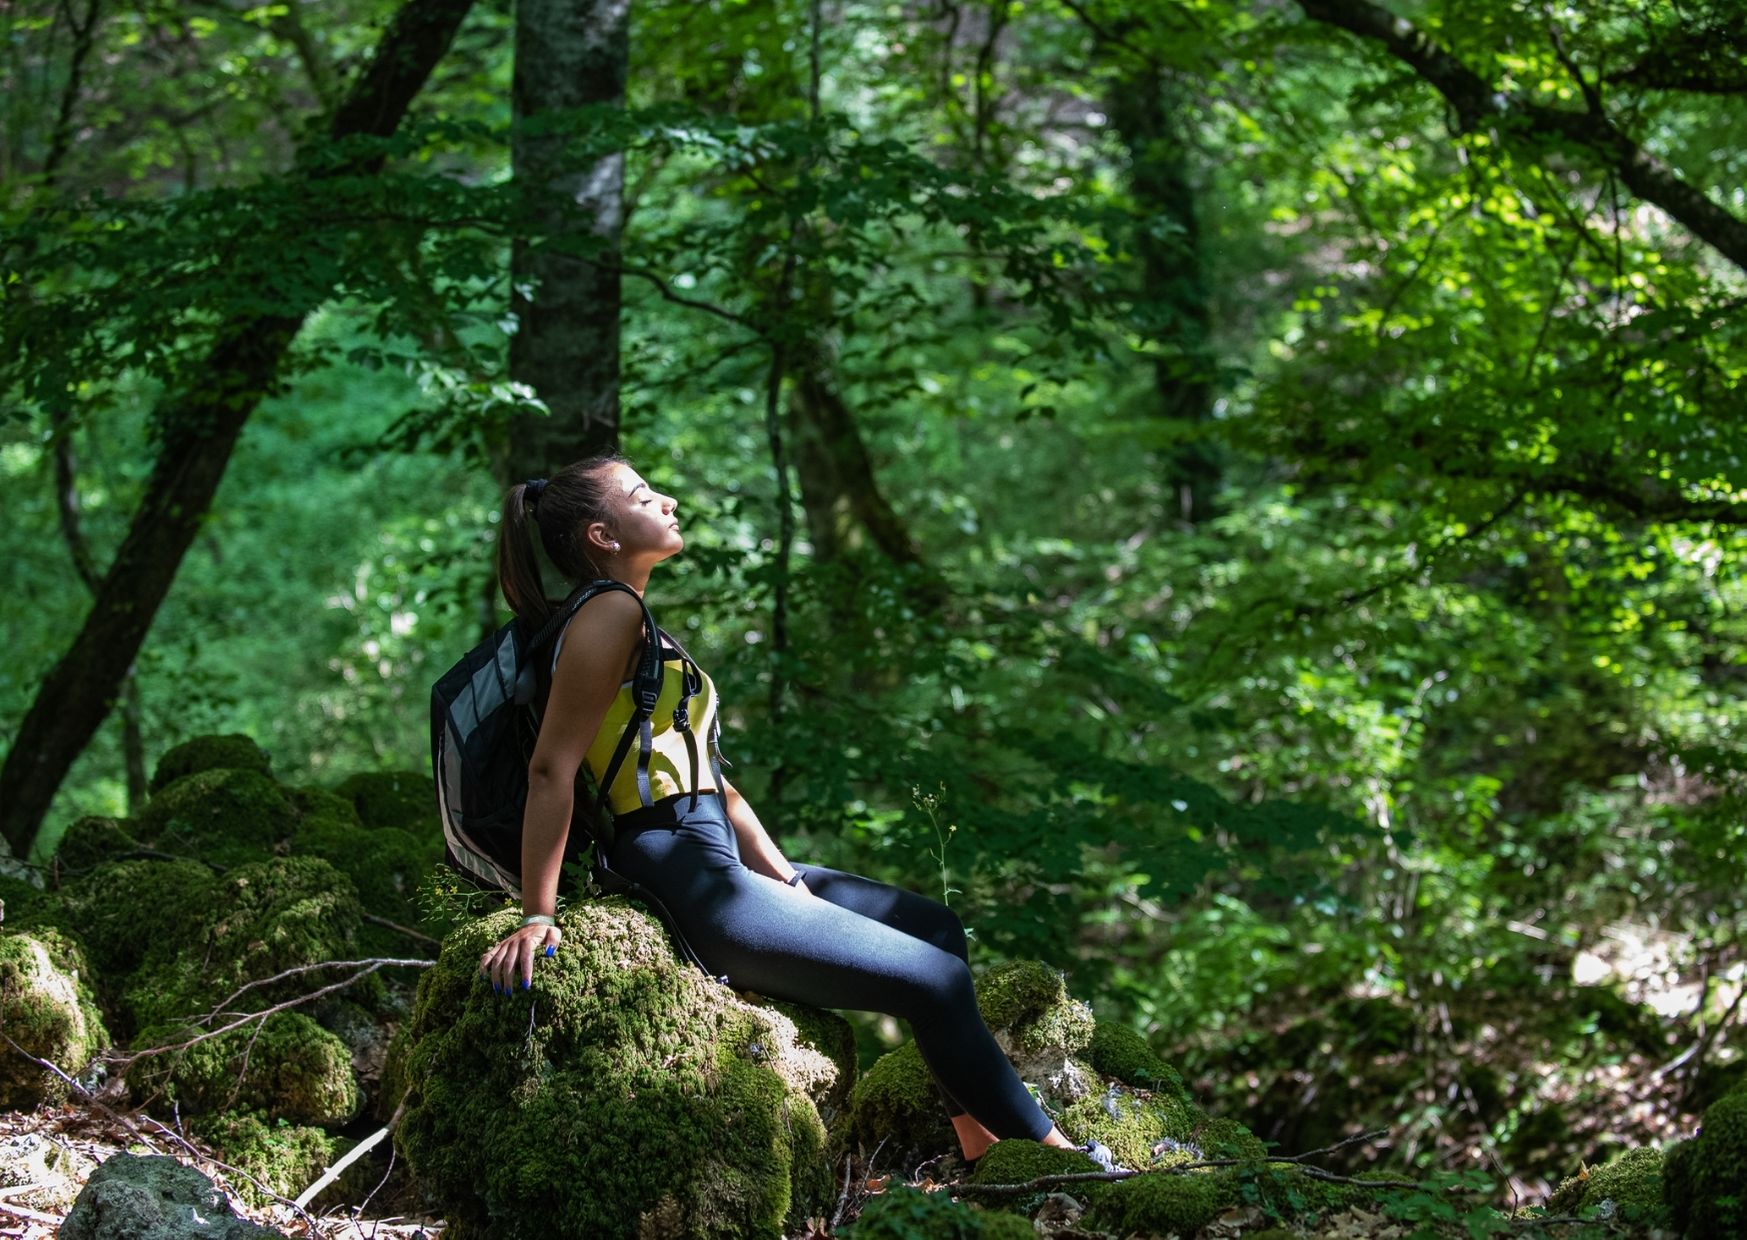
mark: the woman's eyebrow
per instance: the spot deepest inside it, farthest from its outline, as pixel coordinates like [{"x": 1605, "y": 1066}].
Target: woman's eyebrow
[{"x": 633, "y": 490}]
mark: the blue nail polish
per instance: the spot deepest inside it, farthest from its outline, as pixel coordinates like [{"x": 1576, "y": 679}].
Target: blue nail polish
[
  {"x": 525, "y": 983},
  {"x": 552, "y": 949}
]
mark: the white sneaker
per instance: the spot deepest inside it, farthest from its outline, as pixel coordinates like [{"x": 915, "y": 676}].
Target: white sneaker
[{"x": 1100, "y": 1153}]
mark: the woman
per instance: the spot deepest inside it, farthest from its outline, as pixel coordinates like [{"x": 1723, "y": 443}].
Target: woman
[{"x": 803, "y": 933}]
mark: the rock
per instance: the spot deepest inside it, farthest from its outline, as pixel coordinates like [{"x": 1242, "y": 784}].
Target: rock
[
  {"x": 233, "y": 751},
  {"x": 1040, "y": 1026},
  {"x": 404, "y": 800},
  {"x": 47, "y": 1008},
  {"x": 284, "y": 1158},
  {"x": 624, "y": 1095},
  {"x": 154, "y": 1197},
  {"x": 89, "y": 842},
  {"x": 1632, "y": 1182},
  {"x": 1702, "y": 1178},
  {"x": 1120, "y": 1052},
  {"x": 288, "y": 1066},
  {"x": 225, "y": 816},
  {"x": 895, "y": 1102}
]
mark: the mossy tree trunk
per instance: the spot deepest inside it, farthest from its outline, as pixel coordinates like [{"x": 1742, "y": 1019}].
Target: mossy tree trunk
[{"x": 198, "y": 428}]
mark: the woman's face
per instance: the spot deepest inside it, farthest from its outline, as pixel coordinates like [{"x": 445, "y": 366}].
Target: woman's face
[{"x": 646, "y": 527}]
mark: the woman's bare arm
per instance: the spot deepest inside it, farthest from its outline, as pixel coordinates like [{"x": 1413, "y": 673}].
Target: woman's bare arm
[
  {"x": 757, "y": 849},
  {"x": 597, "y": 646}
]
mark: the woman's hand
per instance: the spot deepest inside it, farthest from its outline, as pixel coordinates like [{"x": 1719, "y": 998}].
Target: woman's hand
[{"x": 512, "y": 959}]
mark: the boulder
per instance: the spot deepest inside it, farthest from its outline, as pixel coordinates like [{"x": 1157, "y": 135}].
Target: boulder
[
  {"x": 288, "y": 1066},
  {"x": 1629, "y": 1188},
  {"x": 226, "y": 816},
  {"x": 1702, "y": 1178},
  {"x": 233, "y": 751},
  {"x": 625, "y": 1094},
  {"x": 47, "y": 1008},
  {"x": 154, "y": 1197},
  {"x": 89, "y": 842},
  {"x": 403, "y": 800}
]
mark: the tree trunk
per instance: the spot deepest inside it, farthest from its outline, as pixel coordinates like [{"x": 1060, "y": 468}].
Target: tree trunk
[
  {"x": 199, "y": 430},
  {"x": 1173, "y": 300},
  {"x": 569, "y": 54},
  {"x": 839, "y": 493}
]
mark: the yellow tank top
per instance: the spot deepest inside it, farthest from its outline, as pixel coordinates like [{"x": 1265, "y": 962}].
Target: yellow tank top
[{"x": 670, "y": 768}]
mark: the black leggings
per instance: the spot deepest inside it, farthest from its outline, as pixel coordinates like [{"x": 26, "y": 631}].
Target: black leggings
[{"x": 852, "y": 944}]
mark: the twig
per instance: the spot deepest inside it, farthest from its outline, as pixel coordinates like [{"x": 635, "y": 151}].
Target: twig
[
  {"x": 35, "y": 1216},
  {"x": 353, "y": 1155}
]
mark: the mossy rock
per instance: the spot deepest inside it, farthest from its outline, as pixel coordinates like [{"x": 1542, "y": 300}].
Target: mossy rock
[
  {"x": 1703, "y": 1179},
  {"x": 226, "y": 816},
  {"x": 1162, "y": 1203},
  {"x": 1633, "y": 1182},
  {"x": 1132, "y": 1123},
  {"x": 289, "y": 1067},
  {"x": 18, "y": 899},
  {"x": 127, "y": 909},
  {"x": 1018, "y": 1161},
  {"x": 1029, "y": 1002},
  {"x": 834, "y": 1038},
  {"x": 905, "y": 1213},
  {"x": 404, "y": 800},
  {"x": 262, "y": 919},
  {"x": 386, "y": 865},
  {"x": 896, "y": 1102},
  {"x": 1118, "y": 1051},
  {"x": 233, "y": 751},
  {"x": 625, "y": 1094},
  {"x": 284, "y": 1158},
  {"x": 91, "y": 841},
  {"x": 46, "y": 1007}
]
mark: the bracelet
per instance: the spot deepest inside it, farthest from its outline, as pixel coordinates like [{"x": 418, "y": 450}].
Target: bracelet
[
  {"x": 792, "y": 879},
  {"x": 539, "y": 919}
]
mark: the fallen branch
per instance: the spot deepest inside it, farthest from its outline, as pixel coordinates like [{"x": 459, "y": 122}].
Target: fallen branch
[
  {"x": 418, "y": 936},
  {"x": 353, "y": 1155}
]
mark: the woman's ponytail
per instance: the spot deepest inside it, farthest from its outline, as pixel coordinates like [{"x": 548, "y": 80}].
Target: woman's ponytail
[
  {"x": 556, "y": 513},
  {"x": 518, "y": 566}
]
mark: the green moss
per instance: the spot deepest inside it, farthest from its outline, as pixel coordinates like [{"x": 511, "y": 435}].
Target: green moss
[
  {"x": 896, "y": 1102},
  {"x": 830, "y": 1035},
  {"x": 125, "y": 910},
  {"x": 404, "y": 800},
  {"x": 386, "y": 865},
  {"x": 289, "y": 1067},
  {"x": 45, "y": 1007},
  {"x": 208, "y": 753},
  {"x": 91, "y": 841},
  {"x": 1017, "y": 1161},
  {"x": 243, "y": 926},
  {"x": 1702, "y": 1178},
  {"x": 285, "y": 1158},
  {"x": 1161, "y": 1203},
  {"x": 905, "y": 1213},
  {"x": 1118, "y": 1051},
  {"x": 225, "y": 816},
  {"x": 1131, "y": 1124},
  {"x": 1218, "y": 1137},
  {"x": 1030, "y": 1001},
  {"x": 18, "y": 899},
  {"x": 622, "y": 1087}
]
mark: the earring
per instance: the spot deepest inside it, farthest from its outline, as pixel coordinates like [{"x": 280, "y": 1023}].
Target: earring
[{"x": 615, "y": 548}]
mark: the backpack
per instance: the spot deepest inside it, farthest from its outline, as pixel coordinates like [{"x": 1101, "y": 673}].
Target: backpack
[{"x": 485, "y": 718}]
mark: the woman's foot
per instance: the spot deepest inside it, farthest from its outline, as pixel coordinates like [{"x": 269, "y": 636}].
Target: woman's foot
[{"x": 973, "y": 1138}]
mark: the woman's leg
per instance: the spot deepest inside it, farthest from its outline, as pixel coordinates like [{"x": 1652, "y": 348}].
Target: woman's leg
[
  {"x": 914, "y": 914},
  {"x": 780, "y": 942}
]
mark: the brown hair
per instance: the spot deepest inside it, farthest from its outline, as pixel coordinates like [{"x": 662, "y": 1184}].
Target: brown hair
[{"x": 575, "y": 496}]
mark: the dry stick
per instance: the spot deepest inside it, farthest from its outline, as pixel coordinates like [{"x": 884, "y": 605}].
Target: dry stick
[
  {"x": 35, "y": 1216},
  {"x": 353, "y": 1155}
]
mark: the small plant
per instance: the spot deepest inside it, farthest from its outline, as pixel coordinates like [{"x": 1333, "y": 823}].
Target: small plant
[{"x": 929, "y": 803}]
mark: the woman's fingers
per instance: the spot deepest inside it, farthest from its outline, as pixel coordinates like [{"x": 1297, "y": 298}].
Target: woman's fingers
[{"x": 509, "y": 964}]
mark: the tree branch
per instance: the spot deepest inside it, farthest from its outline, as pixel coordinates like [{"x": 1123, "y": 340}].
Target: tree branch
[{"x": 1519, "y": 122}]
